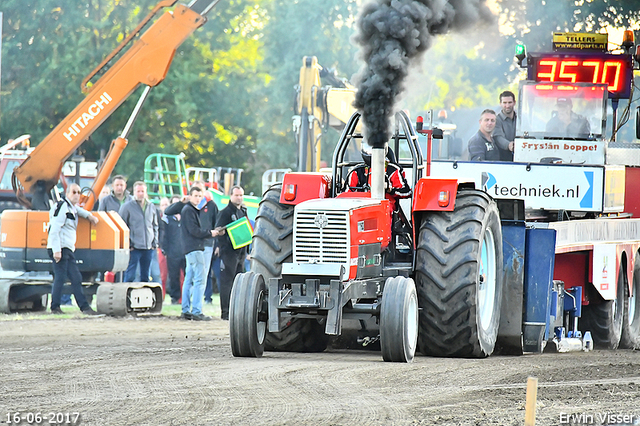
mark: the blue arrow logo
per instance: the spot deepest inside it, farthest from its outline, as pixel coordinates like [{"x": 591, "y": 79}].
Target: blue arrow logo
[
  {"x": 488, "y": 180},
  {"x": 587, "y": 200}
]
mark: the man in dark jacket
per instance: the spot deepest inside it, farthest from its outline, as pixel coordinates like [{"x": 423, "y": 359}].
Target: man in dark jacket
[
  {"x": 208, "y": 218},
  {"x": 173, "y": 251},
  {"x": 482, "y": 147},
  {"x": 232, "y": 259},
  {"x": 193, "y": 236}
]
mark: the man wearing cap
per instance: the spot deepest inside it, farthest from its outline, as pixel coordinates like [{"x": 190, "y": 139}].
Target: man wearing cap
[
  {"x": 566, "y": 123},
  {"x": 482, "y": 147}
]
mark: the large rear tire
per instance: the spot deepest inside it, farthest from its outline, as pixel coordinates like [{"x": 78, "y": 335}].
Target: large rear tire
[
  {"x": 604, "y": 318},
  {"x": 399, "y": 320},
  {"x": 631, "y": 321},
  {"x": 247, "y": 318},
  {"x": 272, "y": 246},
  {"x": 459, "y": 278}
]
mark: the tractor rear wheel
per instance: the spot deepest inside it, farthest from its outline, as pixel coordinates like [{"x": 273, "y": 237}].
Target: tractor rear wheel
[
  {"x": 399, "y": 320},
  {"x": 272, "y": 246},
  {"x": 631, "y": 321},
  {"x": 247, "y": 318},
  {"x": 604, "y": 318},
  {"x": 459, "y": 278}
]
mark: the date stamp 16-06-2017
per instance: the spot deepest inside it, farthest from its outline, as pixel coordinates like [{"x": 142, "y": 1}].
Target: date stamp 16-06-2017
[{"x": 41, "y": 418}]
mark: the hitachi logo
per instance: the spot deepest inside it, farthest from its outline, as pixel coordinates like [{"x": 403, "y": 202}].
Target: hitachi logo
[{"x": 83, "y": 120}]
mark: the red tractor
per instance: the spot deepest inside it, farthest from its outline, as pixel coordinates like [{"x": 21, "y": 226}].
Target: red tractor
[{"x": 429, "y": 272}]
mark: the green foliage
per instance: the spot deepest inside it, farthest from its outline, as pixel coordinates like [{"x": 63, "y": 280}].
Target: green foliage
[
  {"x": 296, "y": 29},
  {"x": 525, "y": 18}
]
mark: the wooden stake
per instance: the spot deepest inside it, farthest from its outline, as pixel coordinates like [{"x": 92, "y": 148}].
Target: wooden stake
[{"x": 532, "y": 396}]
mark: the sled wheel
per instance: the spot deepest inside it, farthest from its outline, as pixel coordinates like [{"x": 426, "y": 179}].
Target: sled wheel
[
  {"x": 604, "y": 318},
  {"x": 631, "y": 322}
]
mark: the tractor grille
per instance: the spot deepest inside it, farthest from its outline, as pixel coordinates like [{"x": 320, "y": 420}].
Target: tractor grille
[{"x": 321, "y": 237}]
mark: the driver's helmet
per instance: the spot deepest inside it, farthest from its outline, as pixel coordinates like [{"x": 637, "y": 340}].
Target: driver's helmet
[{"x": 366, "y": 153}]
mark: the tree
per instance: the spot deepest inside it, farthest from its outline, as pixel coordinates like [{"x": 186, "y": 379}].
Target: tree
[
  {"x": 296, "y": 29},
  {"x": 197, "y": 109}
]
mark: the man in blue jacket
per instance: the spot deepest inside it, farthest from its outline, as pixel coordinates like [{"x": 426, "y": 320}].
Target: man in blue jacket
[{"x": 193, "y": 239}]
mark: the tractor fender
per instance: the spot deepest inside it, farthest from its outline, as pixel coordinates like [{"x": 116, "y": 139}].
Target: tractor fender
[
  {"x": 434, "y": 194},
  {"x": 299, "y": 186}
]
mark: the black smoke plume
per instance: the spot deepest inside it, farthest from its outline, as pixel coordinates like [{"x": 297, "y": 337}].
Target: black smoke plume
[{"x": 393, "y": 34}]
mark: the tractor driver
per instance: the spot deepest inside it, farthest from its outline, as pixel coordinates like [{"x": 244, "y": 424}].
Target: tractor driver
[
  {"x": 567, "y": 123},
  {"x": 396, "y": 186}
]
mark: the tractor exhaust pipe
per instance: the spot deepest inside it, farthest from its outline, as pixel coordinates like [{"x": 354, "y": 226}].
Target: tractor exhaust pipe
[{"x": 377, "y": 173}]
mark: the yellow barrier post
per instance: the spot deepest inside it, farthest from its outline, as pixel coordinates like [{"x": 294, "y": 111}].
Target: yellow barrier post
[{"x": 532, "y": 396}]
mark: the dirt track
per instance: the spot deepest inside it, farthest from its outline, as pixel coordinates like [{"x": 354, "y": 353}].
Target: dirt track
[{"x": 164, "y": 371}]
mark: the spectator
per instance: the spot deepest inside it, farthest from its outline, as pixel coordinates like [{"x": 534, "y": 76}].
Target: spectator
[
  {"x": 119, "y": 195},
  {"x": 106, "y": 191},
  {"x": 505, "y": 131},
  {"x": 482, "y": 146},
  {"x": 162, "y": 261},
  {"x": 61, "y": 245},
  {"x": 214, "y": 274},
  {"x": 155, "y": 267},
  {"x": 141, "y": 216},
  {"x": 232, "y": 260},
  {"x": 171, "y": 244},
  {"x": 193, "y": 236},
  {"x": 208, "y": 215}
]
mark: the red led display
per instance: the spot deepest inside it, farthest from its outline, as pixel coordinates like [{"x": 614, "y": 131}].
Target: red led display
[{"x": 615, "y": 71}]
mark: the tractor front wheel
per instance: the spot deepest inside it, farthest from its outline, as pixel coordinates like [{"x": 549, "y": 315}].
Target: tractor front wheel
[
  {"x": 272, "y": 246},
  {"x": 399, "y": 320},
  {"x": 247, "y": 316}
]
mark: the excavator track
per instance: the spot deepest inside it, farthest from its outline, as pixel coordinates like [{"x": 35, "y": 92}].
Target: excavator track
[
  {"x": 20, "y": 294},
  {"x": 121, "y": 299}
]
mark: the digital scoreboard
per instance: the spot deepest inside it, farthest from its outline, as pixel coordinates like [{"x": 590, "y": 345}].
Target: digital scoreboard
[{"x": 616, "y": 71}]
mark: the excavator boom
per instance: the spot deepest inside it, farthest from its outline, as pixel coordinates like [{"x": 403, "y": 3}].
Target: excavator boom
[
  {"x": 103, "y": 246},
  {"x": 145, "y": 63}
]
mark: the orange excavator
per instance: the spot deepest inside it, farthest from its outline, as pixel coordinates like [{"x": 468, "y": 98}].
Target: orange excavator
[{"x": 144, "y": 60}]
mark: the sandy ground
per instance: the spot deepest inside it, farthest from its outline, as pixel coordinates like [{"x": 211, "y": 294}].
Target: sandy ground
[{"x": 166, "y": 371}]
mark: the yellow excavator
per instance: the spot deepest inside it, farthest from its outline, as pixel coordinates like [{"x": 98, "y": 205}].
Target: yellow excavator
[
  {"x": 105, "y": 246},
  {"x": 318, "y": 108}
]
